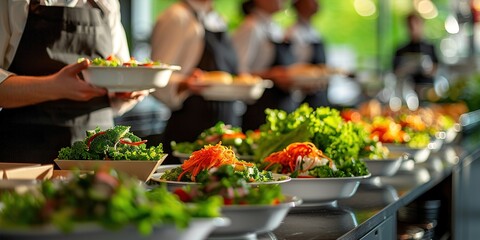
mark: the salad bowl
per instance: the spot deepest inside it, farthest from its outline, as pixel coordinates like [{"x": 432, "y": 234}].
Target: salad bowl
[
  {"x": 198, "y": 229},
  {"x": 141, "y": 169},
  {"x": 418, "y": 154},
  {"x": 235, "y": 91},
  {"x": 249, "y": 220},
  {"x": 385, "y": 167},
  {"x": 172, "y": 185},
  {"x": 322, "y": 190},
  {"x": 128, "y": 78}
]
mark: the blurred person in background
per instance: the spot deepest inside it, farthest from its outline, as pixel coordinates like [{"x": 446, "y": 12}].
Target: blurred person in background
[
  {"x": 44, "y": 104},
  {"x": 308, "y": 47},
  {"x": 262, "y": 50},
  {"x": 417, "y": 60},
  {"x": 191, "y": 34}
]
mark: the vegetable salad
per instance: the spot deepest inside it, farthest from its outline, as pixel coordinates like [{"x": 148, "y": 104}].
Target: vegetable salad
[{"x": 116, "y": 143}]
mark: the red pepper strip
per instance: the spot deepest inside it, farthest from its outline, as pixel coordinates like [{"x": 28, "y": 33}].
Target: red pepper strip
[
  {"x": 146, "y": 64},
  {"x": 93, "y": 137},
  {"x": 133, "y": 143}
]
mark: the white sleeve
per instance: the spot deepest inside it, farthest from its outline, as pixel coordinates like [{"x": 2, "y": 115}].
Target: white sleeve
[
  {"x": 13, "y": 16},
  {"x": 120, "y": 45},
  {"x": 177, "y": 38},
  {"x": 246, "y": 42}
]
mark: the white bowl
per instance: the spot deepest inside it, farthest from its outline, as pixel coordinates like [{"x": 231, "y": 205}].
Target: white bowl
[
  {"x": 322, "y": 190},
  {"x": 141, "y": 169},
  {"x": 418, "y": 154},
  {"x": 249, "y": 220},
  {"x": 384, "y": 167},
  {"x": 128, "y": 79},
  {"x": 172, "y": 185},
  {"x": 232, "y": 92},
  {"x": 198, "y": 229}
]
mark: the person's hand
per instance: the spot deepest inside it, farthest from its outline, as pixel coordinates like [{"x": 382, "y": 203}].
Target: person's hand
[
  {"x": 192, "y": 83},
  {"x": 279, "y": 75},
  {"x": 136, "y": 95},
  {"x": 66, "y": 84}
]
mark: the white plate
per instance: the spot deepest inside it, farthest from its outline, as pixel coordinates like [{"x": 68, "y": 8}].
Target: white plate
[
  {"x": 185, "y": 156},
  {"x": 384, "y": 167},
  {"x": 249, "y": 220},
  {"x": 127, "y": 79},
  {"x": 233, "y": 92},
  {"x": 172, "y": 185},
  {"x": 322, "y": 190},
  {"x": 198, "y": 229}
]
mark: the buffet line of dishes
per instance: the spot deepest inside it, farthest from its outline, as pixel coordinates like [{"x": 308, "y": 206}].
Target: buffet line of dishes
[{"x": 230, "y": 183}]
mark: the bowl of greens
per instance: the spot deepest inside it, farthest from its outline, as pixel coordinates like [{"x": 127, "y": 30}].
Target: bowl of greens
[
  {"x": 118, "y": 76},
  {"x": 251, "y": 209},
  {"x": 386, "y": 166},
  {"x": 200, "y": 164},
  {"x": 242, "y": 143},
  {"x": 105, "y": 205},
  {"x": 315, "y": 177},
  {"x": 116, "y": 148}
]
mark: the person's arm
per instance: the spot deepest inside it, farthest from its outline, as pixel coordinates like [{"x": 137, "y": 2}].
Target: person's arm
[
  {"x": 177, "y": 39},
  {"x": 19, "y": 91}
]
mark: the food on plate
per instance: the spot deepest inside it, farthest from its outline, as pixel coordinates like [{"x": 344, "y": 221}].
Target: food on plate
[
  {"x": 343, "y": 142},
  {"x": 116, "y": 143},
  {"x": 107, "y": 198},
  {"x": 112, "y": 61},
  {"x": 416, "y": 129},
  {"x": 197, "y": 167},
  {"x": 233, "y": 188},
  {"x": 304, "y": 160},
  {"x": 246, "y": 78},
  {"x": 216, "y": 77},
  {"x": 241, "y": 143}
]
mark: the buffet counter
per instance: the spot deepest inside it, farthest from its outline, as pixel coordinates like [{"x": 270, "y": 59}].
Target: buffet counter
[{"x": 378, "y": 208}]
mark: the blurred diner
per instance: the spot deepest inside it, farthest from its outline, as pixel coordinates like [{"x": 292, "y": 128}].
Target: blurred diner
[
  {"x": 190, "y": 33},
  {"x": 262, "y": 50},
  {"x": 308, "y": 47}
]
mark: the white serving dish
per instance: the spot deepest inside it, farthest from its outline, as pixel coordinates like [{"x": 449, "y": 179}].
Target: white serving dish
[
  {"x": 172, "y": 185},
  {"x": 418, "y": 154},
  {"x": 128, "y": 79},
  {"x": 384, "y": 167},
  {"x": 249, "y": 220},
  {"x": 322, "y": 190},
  {"x": 140, "y": 169},
  {"x": 198, "y": 229},
  {"x": 234, "y": 91}
]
